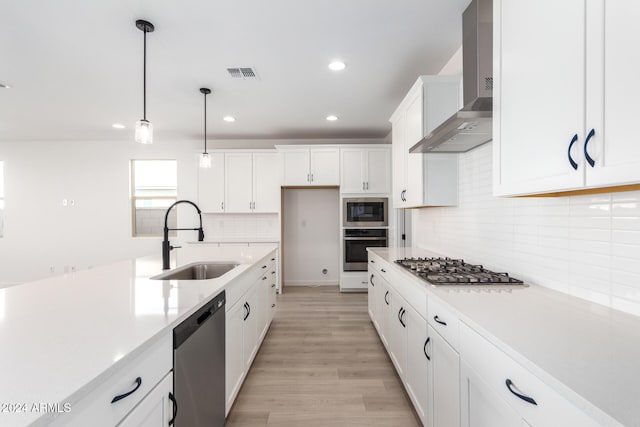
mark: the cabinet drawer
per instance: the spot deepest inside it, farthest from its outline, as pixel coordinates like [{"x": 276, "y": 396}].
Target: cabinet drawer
[
  {"x": 444, "y": 320},
  {"x": 151, "y": 367},
  {"x": 241, "y": 285},
  {"x": 496, "y": 368}
]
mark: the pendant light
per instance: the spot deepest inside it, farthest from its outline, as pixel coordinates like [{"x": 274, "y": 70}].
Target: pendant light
[
  {"x": 205, "y": 160},
  {"x": 144, "y": 128}
]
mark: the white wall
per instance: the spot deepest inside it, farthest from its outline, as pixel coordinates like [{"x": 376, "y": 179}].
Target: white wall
[
  {"x": 587, "y": 246},
  {"x": 311, "y": 236},
  {"x": 40, "y": 234}
]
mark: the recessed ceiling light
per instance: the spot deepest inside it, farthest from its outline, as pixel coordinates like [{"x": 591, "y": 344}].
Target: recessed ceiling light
[
  {"x": 4, "y": 86},
  {"x": 117, "y": 126},
  {"x": 337, "y": 65},
  {"x": 332, "y": 118},
  {"x": 229, "y": 119}
]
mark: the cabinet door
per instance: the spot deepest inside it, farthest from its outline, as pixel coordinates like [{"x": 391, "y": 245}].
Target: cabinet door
[
  {"x": 372, "y": 297},
  {"x": 234, "y": 359},
  {"x": 378, "y": 179},
  {"x": 444, "y": 381},
  {"x": 398, "y": 335},
  {"x": 399, "y": 161},
  {"x": 539, "y": 99},
  {"x": 612, "y": 92},
  {"x": 352, "y": 170},
  {"x": 325, "y": 166},
  {"x": 413, "y": 134},
  {"x": 211, "y": 185},
  {"x": 238, "y": 182},
  {"x": 261, "y": 308},
  {"x": 267, "y": 171},
  {"x": 387, "y": 316},
  {"x": 155, "y": 409},
  {"x": 296, "y": 166},
  {"x": 481, "y": 407},
  {"x": 250, "y": 329},
  {"x": 416, "y": 379}
]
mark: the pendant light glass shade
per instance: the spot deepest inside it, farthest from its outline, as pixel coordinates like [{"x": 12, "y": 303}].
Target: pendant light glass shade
[
  {"x": 205, "y": 160},
  {"x": 144, "y": 132}
]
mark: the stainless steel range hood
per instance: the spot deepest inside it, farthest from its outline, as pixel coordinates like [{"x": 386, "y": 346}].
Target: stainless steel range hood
[{"x": 471, "y": 126}]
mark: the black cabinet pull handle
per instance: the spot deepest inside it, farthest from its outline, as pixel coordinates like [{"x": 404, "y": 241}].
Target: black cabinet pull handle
[
  {"x": 399, "y": 311},
  {"x": 273, "y": 305},
  {"x": 264, "y": 266},
  {"x": 264, "y": 278},
  {"x": 383, "y": 270},
  {"x": 385, "y": 297},
  {"x": 437, "y": 319},
  {"x": 203, "y": 317},
  {"x": 571, "y": 161},
  {"x": 172, "y": 398},
  {"x": 425, "y": 348},
  {"x": 373, "y": 262},
  {"x": 246, "y": 306},
  {"x": 273, "y": 259},
  {"x": 402, "y": 318},
  {"x": 129, "y": 393},
  {"x": 586, "y": 153},
  {"x": 249, "y": 307},
  {"x": 273, "y": 272},
  {"x": 273, "y": 286},
  {"x": 371, "y": 280},
  {"x": 528, "y": 399}
]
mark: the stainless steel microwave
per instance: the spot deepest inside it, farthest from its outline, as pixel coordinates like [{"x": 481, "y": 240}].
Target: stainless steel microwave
[{"x": 365, "y": 212}]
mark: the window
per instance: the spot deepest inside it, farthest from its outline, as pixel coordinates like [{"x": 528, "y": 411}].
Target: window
[
  {"x": 153, "y": 190},
  {"x": 1, "y": 199}
]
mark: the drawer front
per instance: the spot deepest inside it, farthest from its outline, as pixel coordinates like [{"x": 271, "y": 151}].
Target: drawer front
[
  {"x": 496, "y": 368},
  {"x": 151, "y": 367},
  {"x": 413, "y": 292},
  {"x": 444, "y": 320}
]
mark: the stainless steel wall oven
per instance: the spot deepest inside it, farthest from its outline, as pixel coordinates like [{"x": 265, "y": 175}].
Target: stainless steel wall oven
[{"x": 356, "y": 242}]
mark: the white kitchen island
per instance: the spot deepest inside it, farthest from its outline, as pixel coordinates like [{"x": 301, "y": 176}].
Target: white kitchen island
[{"x": 62, "y": 338}]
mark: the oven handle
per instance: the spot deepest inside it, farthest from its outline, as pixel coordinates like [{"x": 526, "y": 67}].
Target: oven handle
[{"x": 365, "y": 238}]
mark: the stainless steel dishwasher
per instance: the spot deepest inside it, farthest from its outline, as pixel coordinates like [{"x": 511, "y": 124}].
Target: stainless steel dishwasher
[{"x": 198, "y": 367}]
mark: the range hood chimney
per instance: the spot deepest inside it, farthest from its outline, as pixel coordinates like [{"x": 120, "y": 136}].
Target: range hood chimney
[{"x": 471, "y": 126}]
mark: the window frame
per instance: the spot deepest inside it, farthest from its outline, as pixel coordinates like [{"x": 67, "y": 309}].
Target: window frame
[{"x": 134, "y": 198}]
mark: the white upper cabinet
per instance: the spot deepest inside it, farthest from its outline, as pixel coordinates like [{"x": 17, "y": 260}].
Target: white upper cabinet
[
  {"x": 564, "y": 106},
  {"x": 365, "y": 170},
  {"x": 238, "y": 182},
  {"x": 211, "y": 185},
  {"x": 431, "y": 100},
  {"x": 310, "y": 166},
  {"x": 267, "y": 171},
  {"x": 241, "y": 181}
]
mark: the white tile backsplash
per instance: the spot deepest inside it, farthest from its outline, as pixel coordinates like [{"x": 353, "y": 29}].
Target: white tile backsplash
[
  {"x": 587, "y": 246},
  {"x": 241, "y": 227}
]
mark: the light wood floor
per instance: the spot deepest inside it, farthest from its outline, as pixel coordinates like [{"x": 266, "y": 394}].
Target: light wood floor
[{"x": 322, "y": 364}]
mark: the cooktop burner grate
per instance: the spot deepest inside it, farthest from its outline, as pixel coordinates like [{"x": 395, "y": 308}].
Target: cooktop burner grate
[{"x": 447, "y": 271}]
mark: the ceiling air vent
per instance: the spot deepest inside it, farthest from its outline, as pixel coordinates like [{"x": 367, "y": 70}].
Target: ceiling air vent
[{"x": 244, "y": 73}]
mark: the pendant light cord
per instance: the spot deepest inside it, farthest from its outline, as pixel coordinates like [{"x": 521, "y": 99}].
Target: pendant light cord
[
  {"x": 205, "y": 123},
  {"x": 144, "y": 78}
]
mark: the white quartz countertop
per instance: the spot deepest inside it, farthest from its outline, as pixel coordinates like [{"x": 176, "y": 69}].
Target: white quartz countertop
[
  {"x": 60, "y": 337},
  {"x": 587, "y": 352}
]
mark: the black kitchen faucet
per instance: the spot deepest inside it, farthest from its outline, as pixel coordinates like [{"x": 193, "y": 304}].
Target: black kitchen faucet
[{"x": 166, "y": 246}]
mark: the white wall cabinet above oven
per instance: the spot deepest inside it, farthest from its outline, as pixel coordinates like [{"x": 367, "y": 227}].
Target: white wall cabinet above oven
[
  {"x": 240, "y": 182},
  {"x": 309, "y": 166},
  {"x": 424, "y": 179},
  {"x": 365, "y": 170},
  {"x": 571, "y": 125}
]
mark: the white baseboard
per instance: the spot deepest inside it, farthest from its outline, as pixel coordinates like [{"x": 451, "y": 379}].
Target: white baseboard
[{"x": 311, "y": 283}]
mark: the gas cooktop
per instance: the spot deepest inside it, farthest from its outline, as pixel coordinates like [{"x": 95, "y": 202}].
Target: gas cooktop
[{"x": 447, "y": 271}]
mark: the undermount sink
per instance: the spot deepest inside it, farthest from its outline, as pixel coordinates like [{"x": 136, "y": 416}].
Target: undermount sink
[{"x": 197, "y": 271}]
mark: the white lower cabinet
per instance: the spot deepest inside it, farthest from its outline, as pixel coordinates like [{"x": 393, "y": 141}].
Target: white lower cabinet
[
  {"x": 417, "y": 371},
  {"x": 155, "y": 410},
  {"x": 532, "y": 400},
  {"x": 443, "y": 381},
  {"x": 398, "y": 335},
  {"x": 247, "y": 322},
  {"x": 387, "y": 314},
  {"x": 481, "y": 406}
]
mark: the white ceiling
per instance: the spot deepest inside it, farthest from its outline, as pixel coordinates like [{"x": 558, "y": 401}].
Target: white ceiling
[{"x": 75, "y": 66}]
